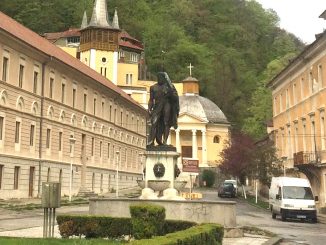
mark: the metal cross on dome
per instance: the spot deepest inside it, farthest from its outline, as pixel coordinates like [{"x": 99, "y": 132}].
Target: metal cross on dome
[{"x": 190, "y": 68}]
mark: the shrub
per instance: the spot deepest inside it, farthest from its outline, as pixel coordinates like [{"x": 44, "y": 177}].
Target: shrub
[
  {"x": 171, "y": 226},
  {"x": 147, "y": 220},
  {"x": 209, "y": 177},
  {"x": 205, "y": 234},
  {"x": 93, "y": 226}
]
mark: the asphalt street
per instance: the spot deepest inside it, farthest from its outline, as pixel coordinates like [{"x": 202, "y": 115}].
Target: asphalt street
[{"x": 293, "y": 232}]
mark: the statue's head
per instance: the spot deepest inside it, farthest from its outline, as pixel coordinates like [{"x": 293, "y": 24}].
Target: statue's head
[{"x": 162, "y": 77}]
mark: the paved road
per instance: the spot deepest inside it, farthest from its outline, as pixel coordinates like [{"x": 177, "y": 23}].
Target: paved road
[{"x": 294, "y": 232}]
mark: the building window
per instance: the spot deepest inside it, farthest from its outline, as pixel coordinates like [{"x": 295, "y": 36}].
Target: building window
[
  {"x": 63, "y": 88},
  {"x": 93, "y": 146},
  {"x": 320, "y": 76},
  {"x": 216, "y": 139},
  {"x": 35, "y": 82},
  {"x": 294, "y": 93},
  {"x": 31, "y": 137},
  {"x": 304, "y": 132},
  {"x": 17, "y": 132},
  {"x": 127, "y": 78},
  {"x": 100, "y": 148},
  {"x": 121, "y": 118},
  {"x": 94, "y": 106},
  {"x": 21, "y": 76},
  {"x": 51, "y": 88},
  {"x": 1, "y": 127},
  {"x": 60, "y": 176},
  {"x": 48, "y": 138},
  {"x": 93, "y": 181},
  {"x": 287, "y": 100},
  {"x": 102, "y": 109},
  {"x": 85, "y": 102},
  {"x": 16, "y": 177},
  {"x": 73, "y": 97},
  {"x": 322, "y": 131},
  {"x": 302, "y": 88},
  {"x": 108, "y": 150},
  {"x": 110, "y": 113},
  {"x": 5, "y": 62},
  {"x": 48, "y": 177},
  {"x": 1, "y": 173},
  {"x": 60, "y": 141}
]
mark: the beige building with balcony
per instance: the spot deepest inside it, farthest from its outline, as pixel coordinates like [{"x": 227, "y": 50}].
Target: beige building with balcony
[
  {"x": 56, "y": 112},
  {"x": 299, "y": 100}
]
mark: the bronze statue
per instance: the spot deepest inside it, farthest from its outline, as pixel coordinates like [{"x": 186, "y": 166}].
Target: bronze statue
[{"x": 163, "y": 108}]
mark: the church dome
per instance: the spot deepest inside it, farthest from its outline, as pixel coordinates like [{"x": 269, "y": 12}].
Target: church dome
[{"x": 202, "y": 108}]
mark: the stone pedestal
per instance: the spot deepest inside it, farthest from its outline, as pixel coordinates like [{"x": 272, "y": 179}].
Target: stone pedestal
[{"x": 160, "y": 172}]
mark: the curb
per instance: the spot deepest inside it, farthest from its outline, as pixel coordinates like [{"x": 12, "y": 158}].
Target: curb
[{"x": 273, "y": 240}]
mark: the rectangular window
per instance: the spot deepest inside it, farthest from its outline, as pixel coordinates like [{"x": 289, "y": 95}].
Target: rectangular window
[
  {"x": 121, "y": 118},
  {"x": 93, "y": 142},
  {"x": 51, "y": 88},
  {"x": 17, "y": 132},
  {"x": 127, "y": 78},
  {"x": 102, "y": 109},
  {"x": 294, "y": 94},
  {"x": 94, "y": 106},
  {"x": 73, "y": 97},
  {"x": 130, "y": 79},
  {"x": 16, "y": 177},
  {"x": 48, "y": 138},
  {"x": 108, "y": 150},
  {"x": 21, "y": 76},
  {"x": 60, "y": 141},
  {"x": 1, "y": 173},
  {"x": 1, "y": 127},
  {"x": 35, "y": 82},
  {"x": 320, "y": 76},
  {"x": 5, "y": 69},
  {"x": 31, "y": 137},
  {"x": 85, "y": 102},
  {"x": 110, "y": 113},
  {"x": 63, "y": 88},
  {"x": 100, "y": 148}
]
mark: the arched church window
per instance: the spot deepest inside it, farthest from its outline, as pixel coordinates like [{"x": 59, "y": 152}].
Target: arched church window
[{"x": 216, "y": 139}]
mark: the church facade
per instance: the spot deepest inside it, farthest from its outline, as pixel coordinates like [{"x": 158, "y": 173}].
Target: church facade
[{"x": 62, "y": 121}]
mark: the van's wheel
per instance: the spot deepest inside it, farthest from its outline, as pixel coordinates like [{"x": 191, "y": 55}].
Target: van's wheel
[
  {"x": 314, "y": 220},
  {"x": 283, "y": 216}
]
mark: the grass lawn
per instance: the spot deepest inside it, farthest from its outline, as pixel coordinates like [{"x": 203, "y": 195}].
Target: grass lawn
[
  {"x": 260, "y": 203},
  {"x": 53, "y": 241}
]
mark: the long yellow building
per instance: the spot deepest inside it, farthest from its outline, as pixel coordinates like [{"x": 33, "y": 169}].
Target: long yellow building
[
  {"x": 62, "y": 121},
  {"x": 299, "y": 99}
]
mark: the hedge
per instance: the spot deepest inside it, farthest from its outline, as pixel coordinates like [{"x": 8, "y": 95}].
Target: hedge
[
  {"x": 93, "y": 226},
  {"x": 205, "y": 234},
  {"x": 107, "y": 227},
  {"x": 147, "y": 220}
]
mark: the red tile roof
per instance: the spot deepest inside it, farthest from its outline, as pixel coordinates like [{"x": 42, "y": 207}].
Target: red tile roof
[
  {"x": 53, "y": 36},
  {"x": 29, "y": 37}
]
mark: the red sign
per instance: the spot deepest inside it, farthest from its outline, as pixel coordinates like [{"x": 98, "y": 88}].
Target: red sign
[{"x": 190, "y": 165}]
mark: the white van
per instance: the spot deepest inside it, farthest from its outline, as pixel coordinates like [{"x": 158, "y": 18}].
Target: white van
[{"x": 292, "y": 198}]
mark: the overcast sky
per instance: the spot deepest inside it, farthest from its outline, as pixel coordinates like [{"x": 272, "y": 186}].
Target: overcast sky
[{"x": 300, "y": 17}]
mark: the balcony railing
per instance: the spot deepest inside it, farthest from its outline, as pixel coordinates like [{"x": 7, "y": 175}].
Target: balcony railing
[{"x": 301, "y": 158}]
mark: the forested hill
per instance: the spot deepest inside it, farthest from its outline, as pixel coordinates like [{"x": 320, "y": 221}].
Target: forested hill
[{"x": 235, "y": 45}]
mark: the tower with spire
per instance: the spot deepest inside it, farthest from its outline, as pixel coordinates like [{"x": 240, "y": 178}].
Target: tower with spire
[{"x": 99, "y": 41}]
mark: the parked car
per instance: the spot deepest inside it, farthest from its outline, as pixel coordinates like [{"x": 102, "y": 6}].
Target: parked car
[
  {"x": 226, "y": 190},
  {"x": 234, "y": 182},
  {"x": 292, "y": 198}
]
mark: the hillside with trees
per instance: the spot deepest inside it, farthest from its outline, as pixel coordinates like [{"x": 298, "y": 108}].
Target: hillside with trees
[{"x": 235, "y": 45}]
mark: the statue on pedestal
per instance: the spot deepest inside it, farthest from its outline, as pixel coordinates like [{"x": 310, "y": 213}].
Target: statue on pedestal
[{"x": 163, "y": 108}]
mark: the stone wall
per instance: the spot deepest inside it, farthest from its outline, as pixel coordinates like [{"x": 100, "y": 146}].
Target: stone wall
[{"x": 221, "y": 212}]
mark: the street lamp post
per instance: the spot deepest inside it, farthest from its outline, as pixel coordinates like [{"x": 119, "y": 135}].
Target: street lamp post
[
  {"x": 117, "y": 173},
  {"x": 72, "y": 141}
]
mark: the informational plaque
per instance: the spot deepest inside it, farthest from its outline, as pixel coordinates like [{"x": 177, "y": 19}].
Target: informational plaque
[{"x": 190, "y": 165}]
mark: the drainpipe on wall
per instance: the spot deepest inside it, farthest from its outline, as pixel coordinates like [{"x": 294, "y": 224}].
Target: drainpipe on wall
[{"x": 41, "y": 130}]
